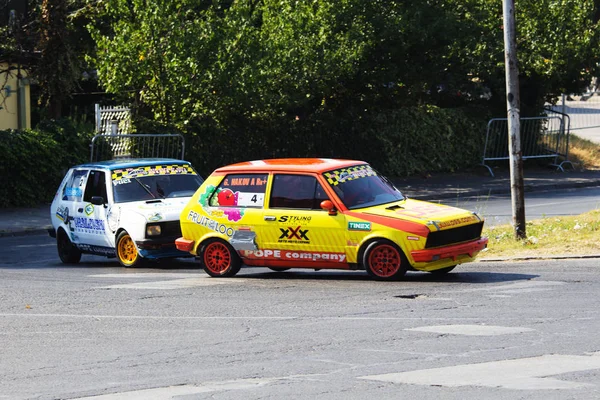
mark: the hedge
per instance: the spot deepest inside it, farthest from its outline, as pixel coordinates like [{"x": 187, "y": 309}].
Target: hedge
[
  {"x": 398, "y": 143},
  {"x": 33, "y": 162}
]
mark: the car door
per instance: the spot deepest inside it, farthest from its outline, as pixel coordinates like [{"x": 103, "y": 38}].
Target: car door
[
  {"x": 71, "y": 198},
  {"x": 297, "y": 226},
  {"x": 90, "y": 219},
  {"x": 235, "y": 208}
]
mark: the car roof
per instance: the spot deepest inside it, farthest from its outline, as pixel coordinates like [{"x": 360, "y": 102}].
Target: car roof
[
  {"x": 130, "y": 163},
  {"x": 317, "y": 165}
]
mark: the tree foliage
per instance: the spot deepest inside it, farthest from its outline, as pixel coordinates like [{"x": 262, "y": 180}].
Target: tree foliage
[{"x": 189, "y": 60}]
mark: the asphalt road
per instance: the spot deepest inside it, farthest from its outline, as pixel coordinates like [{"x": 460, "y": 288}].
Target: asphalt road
[
  {"x": 523, "y": 330},
  {"x": 497, "y": 209}
]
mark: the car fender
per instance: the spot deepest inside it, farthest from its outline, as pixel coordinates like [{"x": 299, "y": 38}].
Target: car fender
[
  {"x": 210, "y": 235},
  {"x": 133, "y": 222}
]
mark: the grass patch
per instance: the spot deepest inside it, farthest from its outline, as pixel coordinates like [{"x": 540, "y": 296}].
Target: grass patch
[
  {"x": 559, "y": 236},
  {"x": 584, "y": 153}
]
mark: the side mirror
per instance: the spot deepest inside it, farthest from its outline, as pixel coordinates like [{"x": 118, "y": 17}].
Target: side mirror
[
  {"x": 97, "y": 200},
  {"x": 328, "y": 206}
]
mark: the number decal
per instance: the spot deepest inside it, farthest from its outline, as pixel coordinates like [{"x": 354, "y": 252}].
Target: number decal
[{"x": 250, "y": 199}]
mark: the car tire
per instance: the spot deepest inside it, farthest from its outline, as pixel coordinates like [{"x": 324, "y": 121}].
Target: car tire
[
  {"x": 383, "y": 260},
  {"x": 278, "y": 269},
  {"x": 219, "y": 259},
  {"x": 443, "y": 271},
  {"x": 127, "y": 252},
  {"x": 67, "y": 251}
]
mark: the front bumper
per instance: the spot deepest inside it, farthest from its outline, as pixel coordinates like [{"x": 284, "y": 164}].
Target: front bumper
[{"x": 452, "y": 252}]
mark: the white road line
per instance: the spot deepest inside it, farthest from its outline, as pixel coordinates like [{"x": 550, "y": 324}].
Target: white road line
[
  {"x": 177, "y": 281},
  {"x": 175, "y": 284},
  {"x": 172, "y": 392},
  {"x": 471, "y": 330},
  {"x": 521, "y": 374},
  {"x": 517, "y": 287},
  {"x": 259, "y": 317},
  {"x": 138, "y": 275}
]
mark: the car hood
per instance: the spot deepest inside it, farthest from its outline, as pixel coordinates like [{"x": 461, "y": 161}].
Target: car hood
[
  {"x": 156, "y": 211},
  {"x": 423, "y": 212}
]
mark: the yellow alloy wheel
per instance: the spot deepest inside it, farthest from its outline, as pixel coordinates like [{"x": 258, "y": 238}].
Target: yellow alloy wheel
[{"x": 126, "y": 250}]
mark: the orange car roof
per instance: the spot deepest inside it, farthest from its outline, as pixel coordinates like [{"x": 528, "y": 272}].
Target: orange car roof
[{"x": 317, "y": 165}]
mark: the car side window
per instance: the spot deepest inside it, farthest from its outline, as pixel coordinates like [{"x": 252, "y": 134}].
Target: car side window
[
  {"x": 73, "y": 189},
  {"x": 96, "y": 186},
  {"x": 240, "y": 190},
  {"x": 297, "y": 191}
]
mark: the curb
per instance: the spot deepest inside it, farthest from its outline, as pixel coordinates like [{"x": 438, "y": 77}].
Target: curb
[
  {"x": 534, "y": 258},
  {"x": 25, "y": 232}
]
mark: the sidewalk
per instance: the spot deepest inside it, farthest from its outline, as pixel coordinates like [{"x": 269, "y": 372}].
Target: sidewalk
[{"x": 29, "y": 221}]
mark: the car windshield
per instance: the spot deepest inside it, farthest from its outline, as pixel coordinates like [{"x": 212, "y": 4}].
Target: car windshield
[
  {"x": 156, "y": 182},
  {"x": 361, "y": 186}
]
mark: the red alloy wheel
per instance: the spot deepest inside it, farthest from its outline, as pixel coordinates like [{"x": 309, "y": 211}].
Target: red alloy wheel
[
  {"x": 385, "y": 261},
  {"x": 217, "y": 258}
]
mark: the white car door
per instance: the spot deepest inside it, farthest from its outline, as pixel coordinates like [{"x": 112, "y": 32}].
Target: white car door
[{"x": 90, "y": 219}]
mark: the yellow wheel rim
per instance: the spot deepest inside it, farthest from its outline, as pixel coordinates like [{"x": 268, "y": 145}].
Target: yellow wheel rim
[{"x": 127, "y": 251}]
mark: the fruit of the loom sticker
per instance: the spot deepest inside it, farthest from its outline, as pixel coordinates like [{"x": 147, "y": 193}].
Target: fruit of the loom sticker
[
  {"x": 227, "y": 198},
  {"x": 234, "y": 214}
]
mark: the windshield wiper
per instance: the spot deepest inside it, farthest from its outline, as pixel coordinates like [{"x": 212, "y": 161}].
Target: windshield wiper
[{"x": 146, "y": 188}]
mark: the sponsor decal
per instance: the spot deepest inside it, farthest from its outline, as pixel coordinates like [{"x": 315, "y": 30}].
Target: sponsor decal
[
  {"x": 122, "y": 181},
  {"x": 294, "y": 219},
  {"x": 294, "y": 255},
  {"x": 348, "y": 174},
  {"x": 210, "y": 223},
  {"x": 73, "y": 192},
  {"x": 62, "y": 213},
  {"x": 232, "y": 214},
  {"x": 459, "y": 221},
  {"x": 155, "y": 217},
  {"x": 106, "y": 251},
  {"x": 293, "y": 235},
  {"x": 359, "y": 226},
  {"x": 177, "y": 169},
  {"x": 412, "y": 238},
  {"x": 89, "y": 209},
  {"x": 89, "y": 225}
]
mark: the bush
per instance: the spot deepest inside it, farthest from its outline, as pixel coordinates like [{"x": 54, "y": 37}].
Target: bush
[{"x": 33, "y": 162}]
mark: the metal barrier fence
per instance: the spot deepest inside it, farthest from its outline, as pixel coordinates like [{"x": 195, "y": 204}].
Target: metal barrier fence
[
  {"x": 107, "y": 147},
  {"x": 541, "y": 137},
  {"x": 113, "y": 120}
]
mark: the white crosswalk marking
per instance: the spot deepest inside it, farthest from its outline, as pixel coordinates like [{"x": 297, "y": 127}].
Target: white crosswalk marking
[
  {"x": 177, "y": 281},
  {"x": 522, "y": 374},
  {"x": 471, "y": 330}
]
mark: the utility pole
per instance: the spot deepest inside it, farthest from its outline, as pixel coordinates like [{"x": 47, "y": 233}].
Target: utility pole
[{"x": 513, "y": 105}]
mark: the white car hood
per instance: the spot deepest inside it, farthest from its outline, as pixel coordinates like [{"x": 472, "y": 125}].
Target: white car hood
[{"x": 156, "y": 211}]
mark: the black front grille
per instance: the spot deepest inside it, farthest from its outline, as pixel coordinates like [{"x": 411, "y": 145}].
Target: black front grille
[
  {"x": 171, "y": 228},
  {"x": 454, "y": 235}
]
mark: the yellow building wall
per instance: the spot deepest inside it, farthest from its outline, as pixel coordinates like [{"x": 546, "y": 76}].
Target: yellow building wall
[{"x": 17, "y": 97}]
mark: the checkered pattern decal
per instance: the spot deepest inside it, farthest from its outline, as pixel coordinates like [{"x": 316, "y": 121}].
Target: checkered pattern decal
[
  {"x": 153, "y": 170},
  {"x": 348, "y": 174}
]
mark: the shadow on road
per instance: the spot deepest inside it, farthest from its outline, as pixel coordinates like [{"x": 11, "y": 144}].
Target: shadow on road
[{"x": 458, "y": 277}]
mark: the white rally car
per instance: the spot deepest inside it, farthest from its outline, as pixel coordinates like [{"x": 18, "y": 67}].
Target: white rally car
[{"x": 127, "y": 209}]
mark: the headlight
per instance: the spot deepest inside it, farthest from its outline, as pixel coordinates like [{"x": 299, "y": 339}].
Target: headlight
[{"x": 153, "y": 230}]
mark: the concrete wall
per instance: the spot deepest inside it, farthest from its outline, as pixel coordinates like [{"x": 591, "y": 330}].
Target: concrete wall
[{"x": 15, "y": 100}]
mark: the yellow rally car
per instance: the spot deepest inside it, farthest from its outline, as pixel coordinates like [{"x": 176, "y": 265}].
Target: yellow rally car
[{"x": 321, "y": 214}]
